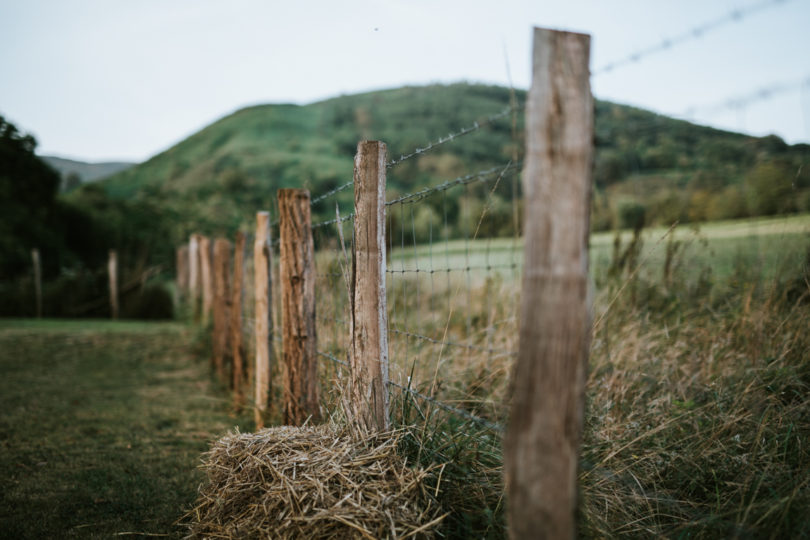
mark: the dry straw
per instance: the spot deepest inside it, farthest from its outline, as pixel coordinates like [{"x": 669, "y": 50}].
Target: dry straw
[{"x": 312, "y": 482}]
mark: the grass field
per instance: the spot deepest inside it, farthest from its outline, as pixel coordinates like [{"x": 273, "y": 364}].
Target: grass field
[
  {"x": 769, "y": 243},
  {"x": 102, "y": 425},
  {"x": 697, "y": 422}
]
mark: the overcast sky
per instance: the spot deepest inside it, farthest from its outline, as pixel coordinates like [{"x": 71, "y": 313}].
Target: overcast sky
[{"x": 125, "y": 79}]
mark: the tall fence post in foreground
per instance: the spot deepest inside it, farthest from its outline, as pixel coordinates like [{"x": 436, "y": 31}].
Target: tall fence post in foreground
[
  {"x": 297, "y": 277},
  {"x": 237, "y": 353},
  {"x": 262, "y": 266},
  {"x": 222, "y": 256},
  {"x": 37, "y": 281},
  {"x": 368, "y": 327},
  {"x": 194, "y": 276},
  {"x": 112, "y": 271},
  {"x": 545, "y": 427},
  {"x": 206, "y": 278}
]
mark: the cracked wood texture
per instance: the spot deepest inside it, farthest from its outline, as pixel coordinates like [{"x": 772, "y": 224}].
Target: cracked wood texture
[
  {"x": 222, "y": 263},
  {"x": 297, "y": 279},
  {"x": 368, "y": 351},
  {"x": 262, "y": 264},
  {"x": 544, "y": 435},
  {"x": 237, "y": 349}
]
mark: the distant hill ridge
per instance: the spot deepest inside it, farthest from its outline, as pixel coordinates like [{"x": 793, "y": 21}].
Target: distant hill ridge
[
  {"x": 216, "y": 179},
  {"x": 84, "y": 171}
]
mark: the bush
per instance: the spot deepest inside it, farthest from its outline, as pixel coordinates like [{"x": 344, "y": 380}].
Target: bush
[
  {"x": 153, "y": 302},
  {"x": 632, "y": 215}
]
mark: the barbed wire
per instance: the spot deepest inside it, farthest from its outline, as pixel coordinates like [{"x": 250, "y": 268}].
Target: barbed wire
[
  {"x": 331, "y": 221},
  {"x": 449, "y": 408},
  {"x": 330, "y": 193},
  {"x": 740, "y": 102},
  {"x": 430, "y": 146},
  {"x": 511, "y": 266},
  {"x": 452, "y": 136},
  {"x": 461, "y": 180},
  {"x": 333, "y": 358},
  {"x": 695, "y": 32}
]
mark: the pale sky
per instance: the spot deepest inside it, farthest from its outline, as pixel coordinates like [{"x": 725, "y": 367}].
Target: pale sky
[{"x": 125, "y": 79}]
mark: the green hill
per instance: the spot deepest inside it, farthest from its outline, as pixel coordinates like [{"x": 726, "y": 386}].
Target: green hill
[{"x": 665, "y": 169}]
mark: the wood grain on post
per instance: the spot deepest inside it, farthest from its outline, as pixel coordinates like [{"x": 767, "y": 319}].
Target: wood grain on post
[
  {"x": 194, "y": 276},
  {"x": 297, "y": 277},
  {"x": 37, "y": 281},
  {"x": 237, "y": 351},
  {"x": 368, "y": 326},
  {"x": 206, "y": 278},
  {"x": 545, "y": 427},
  {"x": 222, "y": 256},
  {"x": 112, "y": 272},
  {"x": 262, "y": 265}
]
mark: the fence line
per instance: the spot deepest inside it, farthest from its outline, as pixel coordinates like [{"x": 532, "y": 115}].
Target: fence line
[{"x": 409, "y": 331}]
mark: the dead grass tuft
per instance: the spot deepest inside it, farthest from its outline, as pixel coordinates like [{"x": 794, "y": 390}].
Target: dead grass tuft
[{"x": 312, "y": 482}]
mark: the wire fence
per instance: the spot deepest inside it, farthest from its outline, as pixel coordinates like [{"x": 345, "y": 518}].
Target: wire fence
[
  {"x": 440, "y": 333},
  {"x": 450, "y": 246},
  {"x": 454, "y": 255}
]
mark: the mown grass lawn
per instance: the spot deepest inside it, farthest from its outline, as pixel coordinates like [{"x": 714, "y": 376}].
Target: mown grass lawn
[{"x": 101, "y": 427}]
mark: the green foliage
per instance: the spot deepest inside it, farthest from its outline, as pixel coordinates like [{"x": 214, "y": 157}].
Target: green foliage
[
  {"x": 28, "y": 205},
  {"x": 632, "y": 214},
  {"x": 769, "y": 189}
]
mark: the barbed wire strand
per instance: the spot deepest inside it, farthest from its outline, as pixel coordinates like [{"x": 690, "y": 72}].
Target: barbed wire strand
[
  {"x": 451, "y": 137},
  {"x": 695, "y": 32},
  {"x": 495, "y": 172},
  {"x": 423, "y": 150}
]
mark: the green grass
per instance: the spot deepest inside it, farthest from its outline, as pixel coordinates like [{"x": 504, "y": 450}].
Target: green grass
[
  {"x": 766, "y": 245},
  {"x": 102, "y": 425}
]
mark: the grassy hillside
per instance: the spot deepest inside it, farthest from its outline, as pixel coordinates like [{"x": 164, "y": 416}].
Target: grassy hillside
[{"x": 646, "y": 164}]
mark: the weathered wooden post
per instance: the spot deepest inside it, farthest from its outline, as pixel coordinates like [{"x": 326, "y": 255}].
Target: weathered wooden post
[
  {"x": 112, "y": 271},
  {"x": 545, "y": 427},
  {"x": 37, "y": 281},
  {"x": 368, "y": 327},
  {"x": 182, "y": 277},
  {"x": 222, "y": 256},
  {"x": 207, "y": 278},
  {"x": 237, "y": 352},
  {"x": 297, "y": 277},
  {"x": 194, "y": 276},
  {"x": 262, "y": 265}
]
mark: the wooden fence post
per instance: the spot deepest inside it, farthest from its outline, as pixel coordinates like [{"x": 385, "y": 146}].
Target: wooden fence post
[
  {"x": 194, "y": 276},
  {"x": 206, "y": 278},
  {"x": 182, "y": 278},
  {"x": 262, "y": 267},
  {"x": 237, "y": 352},
  {"x": 544, "y": 434},
  {"x": 37, "y": 281},
  {"x": 222, "y": 256},
  {"x": 368, "y": 326},
  {"x": 112, "y": 271},
  {"x": 297, "y": 277}
]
